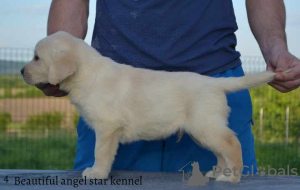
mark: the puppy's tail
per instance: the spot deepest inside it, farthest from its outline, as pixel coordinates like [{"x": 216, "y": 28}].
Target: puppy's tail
[{"x": 233, "y": 84}]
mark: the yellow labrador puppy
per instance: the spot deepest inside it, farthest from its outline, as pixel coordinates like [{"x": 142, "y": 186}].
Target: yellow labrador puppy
[{"x": 125, "y": 104}]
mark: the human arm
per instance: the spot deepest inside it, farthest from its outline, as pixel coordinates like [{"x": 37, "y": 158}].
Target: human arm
[
  {"x": 267, "y": 19},
  {"x": 70, "y": 16}
]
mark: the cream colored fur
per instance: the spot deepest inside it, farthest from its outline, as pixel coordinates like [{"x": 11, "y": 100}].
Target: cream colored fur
[{"x": 125, "y": 104}]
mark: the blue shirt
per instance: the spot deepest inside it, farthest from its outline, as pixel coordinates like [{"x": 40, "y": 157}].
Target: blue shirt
[{"x": 172, "y": 35}]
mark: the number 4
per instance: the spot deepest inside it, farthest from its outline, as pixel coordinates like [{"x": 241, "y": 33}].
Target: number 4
[{"x": 6, "y": 179}]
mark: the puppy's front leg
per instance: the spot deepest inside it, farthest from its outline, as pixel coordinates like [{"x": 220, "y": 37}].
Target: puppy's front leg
[{"x": 105, "y": 151}]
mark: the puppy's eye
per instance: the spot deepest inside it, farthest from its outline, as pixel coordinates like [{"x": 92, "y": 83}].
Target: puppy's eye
[{"x": 36, "y": 58}]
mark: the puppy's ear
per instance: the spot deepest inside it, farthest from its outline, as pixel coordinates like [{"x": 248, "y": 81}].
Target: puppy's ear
[{"x": 63, "y": 65}]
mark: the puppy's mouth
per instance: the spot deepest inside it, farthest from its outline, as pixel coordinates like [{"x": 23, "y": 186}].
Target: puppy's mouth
[
  {"x": 51, "y": 90},
  {"x": 47, "y": 85}
]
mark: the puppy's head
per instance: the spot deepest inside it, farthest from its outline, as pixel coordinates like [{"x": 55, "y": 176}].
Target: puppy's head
[{"x": 54, "y": 60}]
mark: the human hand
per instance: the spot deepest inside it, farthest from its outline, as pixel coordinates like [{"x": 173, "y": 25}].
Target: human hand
[
  {"x": 51, "y": 90},
  {"x": 287, "y": 67}
]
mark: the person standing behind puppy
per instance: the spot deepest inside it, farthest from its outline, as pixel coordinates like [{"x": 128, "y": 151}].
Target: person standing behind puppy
[{"x": 191, "y": 35}]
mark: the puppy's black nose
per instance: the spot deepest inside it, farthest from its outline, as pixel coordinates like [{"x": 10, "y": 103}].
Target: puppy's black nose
[{"x": 22, "y": 71}]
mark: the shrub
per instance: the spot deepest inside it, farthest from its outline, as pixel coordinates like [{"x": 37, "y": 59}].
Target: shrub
[
  {"x": 5, "y": 119},
  {"x": 45, "y": 121},
  {"x": 75, "y": 118},
  {"x": 30, "y": 92}
]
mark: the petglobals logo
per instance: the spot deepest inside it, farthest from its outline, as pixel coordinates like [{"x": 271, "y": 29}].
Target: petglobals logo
[
  {"x": 192, "y": 175},
  {"x": 262, "y": 171}
]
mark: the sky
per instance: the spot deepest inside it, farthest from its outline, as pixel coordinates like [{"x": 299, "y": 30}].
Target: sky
[{"x": 24, "y": 23}]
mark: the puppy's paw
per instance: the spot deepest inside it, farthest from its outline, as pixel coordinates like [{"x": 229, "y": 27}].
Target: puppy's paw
[
  {"x": 94, "y": 173},
  {"x": 211, "y": 174},
  {"x": 223, "y": 178},
  {"x": 231, "y": 179}
]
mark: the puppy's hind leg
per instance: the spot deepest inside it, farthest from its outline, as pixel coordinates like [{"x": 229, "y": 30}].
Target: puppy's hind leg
[
  {"x": 105, "y": 151},
  {"x": 221, "y": 162},
  {"x": 225, "y": 145},
  {"x": 232, "y": 153}
]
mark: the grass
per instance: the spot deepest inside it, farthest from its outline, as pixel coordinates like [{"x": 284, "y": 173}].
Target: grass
[
  {"x": 35, "y": 151},
  {"x": 8, "y": 83},
  {"x": 15, "y": 125},
  {"x": 278, "y": 155}
]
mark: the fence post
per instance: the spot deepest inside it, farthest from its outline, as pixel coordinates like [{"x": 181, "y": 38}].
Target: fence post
[
  {"x": 261, "y": 113},
  {"x": 287, "y": 117}
]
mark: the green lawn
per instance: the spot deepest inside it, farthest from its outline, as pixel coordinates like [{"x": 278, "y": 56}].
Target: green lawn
[
  {"x": 278, "y": 155},
  {"x": 57, "y": 151}
]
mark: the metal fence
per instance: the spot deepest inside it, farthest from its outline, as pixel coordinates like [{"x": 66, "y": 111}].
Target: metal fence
[{"x": 38, "y": 132}]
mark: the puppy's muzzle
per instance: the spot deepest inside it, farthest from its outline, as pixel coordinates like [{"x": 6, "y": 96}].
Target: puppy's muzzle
[{"x": 23, "y": 70}]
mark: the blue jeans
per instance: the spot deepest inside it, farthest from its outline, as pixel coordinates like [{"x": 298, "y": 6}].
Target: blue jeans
[{"x": 168, "y": 155}]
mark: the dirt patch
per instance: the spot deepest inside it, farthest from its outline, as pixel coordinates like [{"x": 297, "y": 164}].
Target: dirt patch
[
  {"x": 15, "y": 91},
  {"x": 21, "y": 108}
]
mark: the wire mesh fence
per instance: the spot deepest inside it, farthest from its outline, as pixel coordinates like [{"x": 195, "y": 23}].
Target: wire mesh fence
[{"x": 38, "y": 132}]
